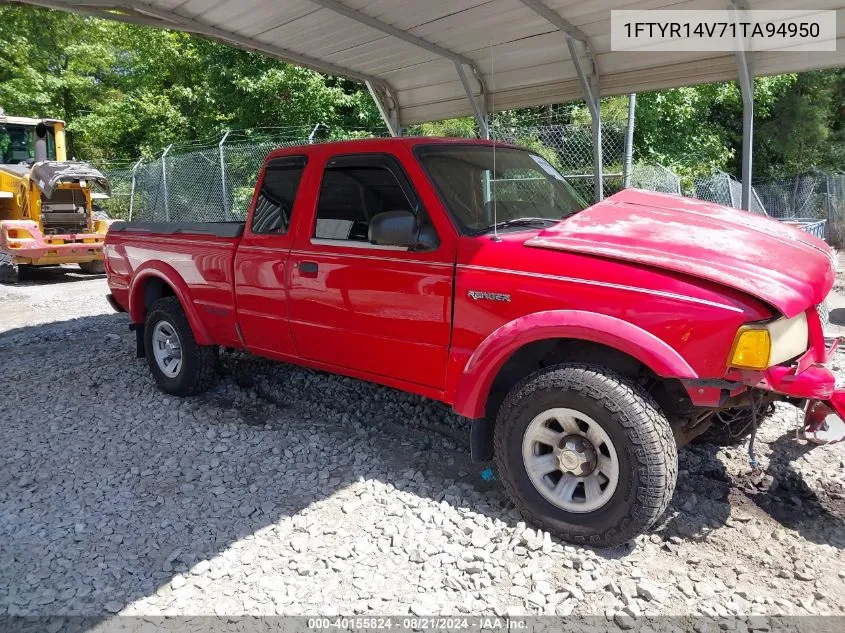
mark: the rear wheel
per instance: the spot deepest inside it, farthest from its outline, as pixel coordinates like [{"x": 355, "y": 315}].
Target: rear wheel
[
  {"x": 180, "y": 366},
  {"x": 8, "y": 269},
  {"x": 585, "y": 454},
  {"x": 97, "y": 267}
]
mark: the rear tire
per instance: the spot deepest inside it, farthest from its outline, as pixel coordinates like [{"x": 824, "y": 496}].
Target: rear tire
[
  {"x": 571, "y": 408},
  {"x": 93, "y": 268},
  {"x": 180, "y": 366},
  {"x": 8, "y": 269}
]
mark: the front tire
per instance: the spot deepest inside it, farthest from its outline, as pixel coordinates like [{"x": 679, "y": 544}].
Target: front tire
[
  {"x": 585, "y": 454},
  {"x": 180, "y": 366}
]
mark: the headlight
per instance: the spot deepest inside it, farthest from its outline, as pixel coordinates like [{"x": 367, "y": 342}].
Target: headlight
[{"x": 759, "y": 346}]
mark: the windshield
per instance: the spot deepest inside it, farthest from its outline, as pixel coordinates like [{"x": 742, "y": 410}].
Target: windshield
[
  {"x": 17, "y": 144},
  {"x": 522, "y": 185}
]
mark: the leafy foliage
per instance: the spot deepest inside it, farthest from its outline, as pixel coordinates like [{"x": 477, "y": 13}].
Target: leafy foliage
[{"x": 128, "y": 90}]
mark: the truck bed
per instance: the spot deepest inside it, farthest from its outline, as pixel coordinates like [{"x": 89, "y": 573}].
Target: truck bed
[
  {"x": 195, "y": 257},
  {"x": 215, "y": 229}
]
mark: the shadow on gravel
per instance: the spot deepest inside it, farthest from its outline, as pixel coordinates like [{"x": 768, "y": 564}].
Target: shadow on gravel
[
  {"x": 707, "y": 493},
  {"x": 837, "y": 316},
  {"x": 110, "y": 489},
  {"x": 784, "y": 494},
  {"x": 43, "y": 276},
  {"x": 702, "y": 499}
]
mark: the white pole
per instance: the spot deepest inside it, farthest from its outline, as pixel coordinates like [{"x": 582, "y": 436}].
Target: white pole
[
  {"x": 223, "y": 176},
  {"x": 132, "y": 189},
  {"x": 164, "y": 182},
  {"x": 629, "y": 142}
]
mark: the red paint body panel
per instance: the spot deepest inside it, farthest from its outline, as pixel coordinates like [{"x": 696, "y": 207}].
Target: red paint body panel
[
  {"x": 661, "y": 278},
  {"x": 779, "y": 264},
  {"x": 480, "y": 370}
]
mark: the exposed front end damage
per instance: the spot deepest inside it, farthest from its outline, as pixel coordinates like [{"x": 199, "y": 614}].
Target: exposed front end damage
[{"x": 805, "y": 382}]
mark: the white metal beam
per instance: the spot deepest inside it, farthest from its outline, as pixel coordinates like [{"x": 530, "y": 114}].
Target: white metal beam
[
  {"x": 389, "y": 29},
  {"x": 480, "y": 110},
  {"x": 386, "y": 104},
  {"x": 745, "y": 73},
  {"x": 557, "y": 19},
  {"x": 589, "y": 83}
]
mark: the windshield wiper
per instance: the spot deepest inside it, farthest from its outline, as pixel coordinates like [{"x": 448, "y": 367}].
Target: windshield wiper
[{"x": 514, "y": 222}]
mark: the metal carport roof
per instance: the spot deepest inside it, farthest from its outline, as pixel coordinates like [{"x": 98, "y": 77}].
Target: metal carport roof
[
  {"x": 422, "y": 58},
  {"x": 410, "y": 45}
]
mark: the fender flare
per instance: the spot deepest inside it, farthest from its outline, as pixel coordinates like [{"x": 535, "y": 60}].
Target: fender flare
[
  {"x": 168, "y": 275},
  {"x": 488, "y": 358}
]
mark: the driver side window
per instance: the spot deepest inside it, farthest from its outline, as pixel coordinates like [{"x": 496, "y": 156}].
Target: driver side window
[{"x": 352, "y": 193}]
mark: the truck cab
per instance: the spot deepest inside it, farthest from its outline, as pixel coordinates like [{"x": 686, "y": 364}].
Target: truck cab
[{"x": 584, "y": 343}]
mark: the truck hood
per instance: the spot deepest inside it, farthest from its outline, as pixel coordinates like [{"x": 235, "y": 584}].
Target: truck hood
[{"x": 784, "y": 266}]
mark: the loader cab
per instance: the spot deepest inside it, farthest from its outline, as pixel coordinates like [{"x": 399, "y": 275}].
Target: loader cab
[{"x": 19, "y": 138}]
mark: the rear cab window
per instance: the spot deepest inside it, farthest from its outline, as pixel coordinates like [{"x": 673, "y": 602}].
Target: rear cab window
[{"x": 274, "y": 203}]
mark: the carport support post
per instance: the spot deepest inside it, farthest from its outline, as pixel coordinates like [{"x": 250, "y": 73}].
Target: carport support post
[
  {"x": 164, "y": 182},
  {"x": 627, "y": 167},
  {"x": 225, "y": 189},
  {"x": 590, "y": 90},
  {"x": 386, "y": 104},
  {"x": 745, "y": 74},
  {"x": 479, "y": 110},
  {"x": 132, "y": 189}
]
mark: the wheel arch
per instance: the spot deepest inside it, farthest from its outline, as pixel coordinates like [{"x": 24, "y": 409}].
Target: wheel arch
[
  {"x": 550, "y": 335},
  {"x": 156, "y": 280}
]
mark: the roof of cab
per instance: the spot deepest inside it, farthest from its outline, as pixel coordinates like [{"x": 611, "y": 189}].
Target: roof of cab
[{"x": 379, "y": 143}]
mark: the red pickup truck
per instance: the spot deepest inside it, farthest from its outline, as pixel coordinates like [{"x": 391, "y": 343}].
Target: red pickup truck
[{"x": 585, "y": 343}]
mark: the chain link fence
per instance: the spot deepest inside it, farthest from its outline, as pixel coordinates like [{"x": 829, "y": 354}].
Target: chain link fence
[
  {"x": 724, "y": 189},
  {"x": 570, "y": 149},
  {"x": 214, "y": 181}
]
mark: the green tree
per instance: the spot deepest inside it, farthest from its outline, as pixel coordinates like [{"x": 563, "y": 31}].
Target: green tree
[{"x": 126, "y": 90}]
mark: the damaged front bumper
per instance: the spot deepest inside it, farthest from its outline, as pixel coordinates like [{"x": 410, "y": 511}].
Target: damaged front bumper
[{"x": 806, "y": 382}]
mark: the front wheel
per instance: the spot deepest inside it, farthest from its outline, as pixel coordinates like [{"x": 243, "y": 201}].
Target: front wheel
[
  {"x": 180, "y": 366},
  {"x": 585, "y": 454}
]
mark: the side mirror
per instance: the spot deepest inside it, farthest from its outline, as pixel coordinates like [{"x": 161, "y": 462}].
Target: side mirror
[{"x": 394, "y": 228}]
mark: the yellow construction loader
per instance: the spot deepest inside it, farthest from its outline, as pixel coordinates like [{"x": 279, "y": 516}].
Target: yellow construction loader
[{"x": 46, "y": 214}]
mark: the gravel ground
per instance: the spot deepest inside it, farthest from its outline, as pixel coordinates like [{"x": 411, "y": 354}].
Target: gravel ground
[{"x": 287, "y": 491}]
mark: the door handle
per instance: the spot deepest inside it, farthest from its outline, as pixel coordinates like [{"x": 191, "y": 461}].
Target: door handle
[{"x": 308, "y": 269}]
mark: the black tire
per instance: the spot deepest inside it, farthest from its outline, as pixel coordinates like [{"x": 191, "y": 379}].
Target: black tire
[
  {"x": 199, "y": 369},
  {"x": 93, "y": 268},
  {"x": 733, "y": 426},
  {"x": 639, "y": 431},
  {"x": 8, "y": 269}
]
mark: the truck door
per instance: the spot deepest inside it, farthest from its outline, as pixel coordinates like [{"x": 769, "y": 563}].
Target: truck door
[
  {"x": 261, "y": 261},
  {"x": 377, "y": 309}
]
